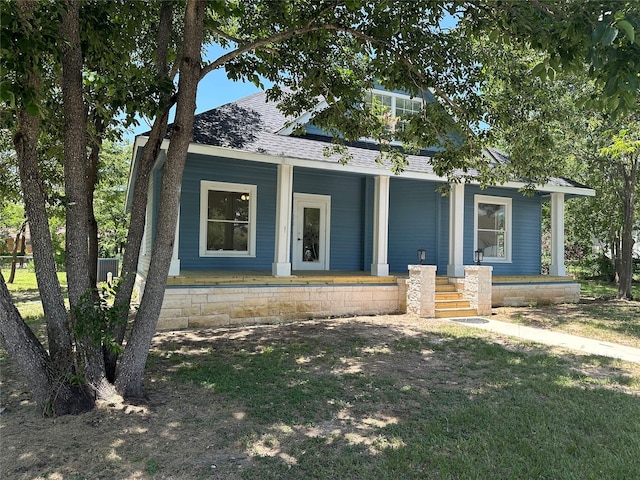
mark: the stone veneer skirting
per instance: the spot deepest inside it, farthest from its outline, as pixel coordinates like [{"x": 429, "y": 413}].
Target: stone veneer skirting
[
  {"x": 213, "y": 306},
  {"x": 194, "y": 307},
  {"x": 522, "y": 294}
]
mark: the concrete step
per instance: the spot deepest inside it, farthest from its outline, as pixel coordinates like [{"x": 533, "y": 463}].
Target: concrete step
[
  {"x": 456, "y": 312},
  {"x": 445, "y": 304}
]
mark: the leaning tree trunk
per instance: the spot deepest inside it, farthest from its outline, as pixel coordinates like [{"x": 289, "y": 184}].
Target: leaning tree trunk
[
  {"x": 14, "y": 253},
  {"x": 25, "y": 142},
  {"x": 51, "y": 389},
  {"x": 131, "y": 368},
  {"x": 137, "y": 219}
]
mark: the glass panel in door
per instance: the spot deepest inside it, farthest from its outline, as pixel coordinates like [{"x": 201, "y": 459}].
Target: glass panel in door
[
  {"x": 311, "y": 222},
  {"x": 311, "y": 235}
]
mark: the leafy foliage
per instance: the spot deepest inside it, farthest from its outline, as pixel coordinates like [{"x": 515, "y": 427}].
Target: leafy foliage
[
  {"x": 96, "y": 317},
  {"x": 118, "y": 61},
  {"x": 109, "y": 201}
]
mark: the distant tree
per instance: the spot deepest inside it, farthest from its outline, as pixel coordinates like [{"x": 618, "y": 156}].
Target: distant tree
[
  {"x": 602, "y": 151},
  {"x": 109, "y": 202}
]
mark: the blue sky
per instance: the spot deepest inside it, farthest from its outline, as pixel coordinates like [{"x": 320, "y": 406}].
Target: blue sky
[{"x": 214, "y": 90}]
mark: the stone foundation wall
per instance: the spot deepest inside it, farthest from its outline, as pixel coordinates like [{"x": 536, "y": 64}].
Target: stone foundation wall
[
  {"x": 194, "y": 307},
  {"x": 516, "y": 295}
]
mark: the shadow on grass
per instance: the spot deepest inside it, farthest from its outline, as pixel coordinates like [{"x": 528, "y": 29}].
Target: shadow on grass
[
  {"x": 340, "y": 400},
  {"x": 347, "y": 399}
]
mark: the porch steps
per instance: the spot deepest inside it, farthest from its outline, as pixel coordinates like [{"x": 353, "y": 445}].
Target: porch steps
[{"x": 449, "y": 301}]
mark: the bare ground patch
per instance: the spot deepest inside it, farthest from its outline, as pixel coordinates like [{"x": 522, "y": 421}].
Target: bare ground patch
[{"x": 192, "y": 430}]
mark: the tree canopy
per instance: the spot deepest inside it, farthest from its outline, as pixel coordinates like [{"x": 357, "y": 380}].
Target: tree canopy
[{"x": 73, "y": 72}]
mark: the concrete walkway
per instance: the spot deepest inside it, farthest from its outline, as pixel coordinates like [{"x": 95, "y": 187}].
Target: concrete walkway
[{"x": 549, "y": 337}]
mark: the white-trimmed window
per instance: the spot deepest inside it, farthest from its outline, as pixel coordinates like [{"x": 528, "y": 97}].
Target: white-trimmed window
[
  {"x": 227, "y": 219},
  {"x": 396, "y": 105},
  {"x": 492, "y": 228}
]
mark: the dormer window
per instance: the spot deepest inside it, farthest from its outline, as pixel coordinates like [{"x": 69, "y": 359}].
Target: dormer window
[{"x": 396, "y": 107}]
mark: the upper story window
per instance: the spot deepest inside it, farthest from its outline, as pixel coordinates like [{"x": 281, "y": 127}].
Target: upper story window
[
  {"x": 396, "y": 106},
  {"x": 227, "y": 219},
  {"x": 493, "y": 228}
]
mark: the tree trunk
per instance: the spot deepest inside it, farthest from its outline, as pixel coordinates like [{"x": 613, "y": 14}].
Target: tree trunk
[
  {"x": 23, "y": 248},
  {"x": 14, "y": 253},
  {"x": 625, "y": 271},
  {"x": 51, "y": 389},
  {"x": 92, "y": 181},
  {"x": 33, "y": 192},
  {"x": 141, "y": 186},
  {"x": 131, "y": 369},
  {"x": 75, "y": 154},
  {"x": 76, "y": 193}
]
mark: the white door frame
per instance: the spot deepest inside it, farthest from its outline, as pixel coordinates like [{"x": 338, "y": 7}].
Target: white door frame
[{"x": 300, "y": 202}]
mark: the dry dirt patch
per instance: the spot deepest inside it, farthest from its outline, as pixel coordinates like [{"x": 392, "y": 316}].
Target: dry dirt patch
[{"x": 186, "y": 431}]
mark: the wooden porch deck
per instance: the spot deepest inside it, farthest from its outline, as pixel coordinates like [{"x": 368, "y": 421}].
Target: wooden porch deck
[{"x": 264, "y": 277}]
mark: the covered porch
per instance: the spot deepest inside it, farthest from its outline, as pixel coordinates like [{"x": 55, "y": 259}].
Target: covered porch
[{"x": 197, "y": 299}]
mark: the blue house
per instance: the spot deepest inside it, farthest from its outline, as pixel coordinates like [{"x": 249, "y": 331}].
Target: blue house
[{"x": 270, "y": 228}]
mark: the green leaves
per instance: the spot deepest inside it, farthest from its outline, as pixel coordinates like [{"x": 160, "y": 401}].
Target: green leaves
[{"x": 629, "y": 30}]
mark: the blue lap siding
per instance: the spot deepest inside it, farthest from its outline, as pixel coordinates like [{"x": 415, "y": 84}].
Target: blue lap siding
[
  {"x": 418, "y": 218},
  {"x": 200, "y": 167},
  {"x": 413, "y": 222},
  {"x": 526, "y": 231}
]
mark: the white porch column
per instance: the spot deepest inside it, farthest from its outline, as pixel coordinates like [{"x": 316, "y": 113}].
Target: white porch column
[
  {"x": 281, "y": 266},
  {"x": 380, "y": 265},
  {"x": 557, "y": 235},
  {"x": 174, "y": 266},
  {"x": 455, "y": 267}
]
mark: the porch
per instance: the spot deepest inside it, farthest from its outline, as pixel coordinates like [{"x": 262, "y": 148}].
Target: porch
[
  {"x": 264, "y": 277},
  {"x": 196, "y": 299}
]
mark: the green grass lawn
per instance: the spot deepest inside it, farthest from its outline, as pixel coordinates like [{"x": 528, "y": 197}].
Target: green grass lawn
[
  {"x": 365, "y": 398},
  {"x": 598, "y": 288},
  {"x": 24, "y": 291},
  {"x": 439, "y": 402}
]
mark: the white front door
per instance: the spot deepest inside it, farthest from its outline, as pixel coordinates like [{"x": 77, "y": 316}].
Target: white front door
[{"x": 311, "y": 222}]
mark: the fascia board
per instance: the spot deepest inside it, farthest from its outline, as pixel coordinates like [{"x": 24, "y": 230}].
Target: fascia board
[
  {"x": 301, "y": 162},
  {"x": 302, "y": 119},
  {"x": 139, "y": 143}
]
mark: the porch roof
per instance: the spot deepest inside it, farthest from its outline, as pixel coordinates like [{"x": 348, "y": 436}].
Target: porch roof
[{"x": 251, "y": 129}]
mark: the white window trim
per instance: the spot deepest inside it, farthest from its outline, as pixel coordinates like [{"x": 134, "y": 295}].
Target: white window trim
[
  {"x": 252, "y": 190},
  {"x": 393, "y": 96},
  {"x": 506, "y": 201}
]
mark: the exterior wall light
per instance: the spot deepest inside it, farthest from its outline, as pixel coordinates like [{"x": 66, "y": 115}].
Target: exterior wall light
[
  {"x": 478, "y": 255},
  {"x": 422, "y": 256}
]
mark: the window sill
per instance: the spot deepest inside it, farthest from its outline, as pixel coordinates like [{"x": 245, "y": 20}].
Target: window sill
[{"x": 228, "y": 254}]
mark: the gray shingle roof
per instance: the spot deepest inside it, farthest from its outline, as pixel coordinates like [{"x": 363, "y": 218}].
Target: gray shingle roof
[{"x": 251, "y": 124}]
